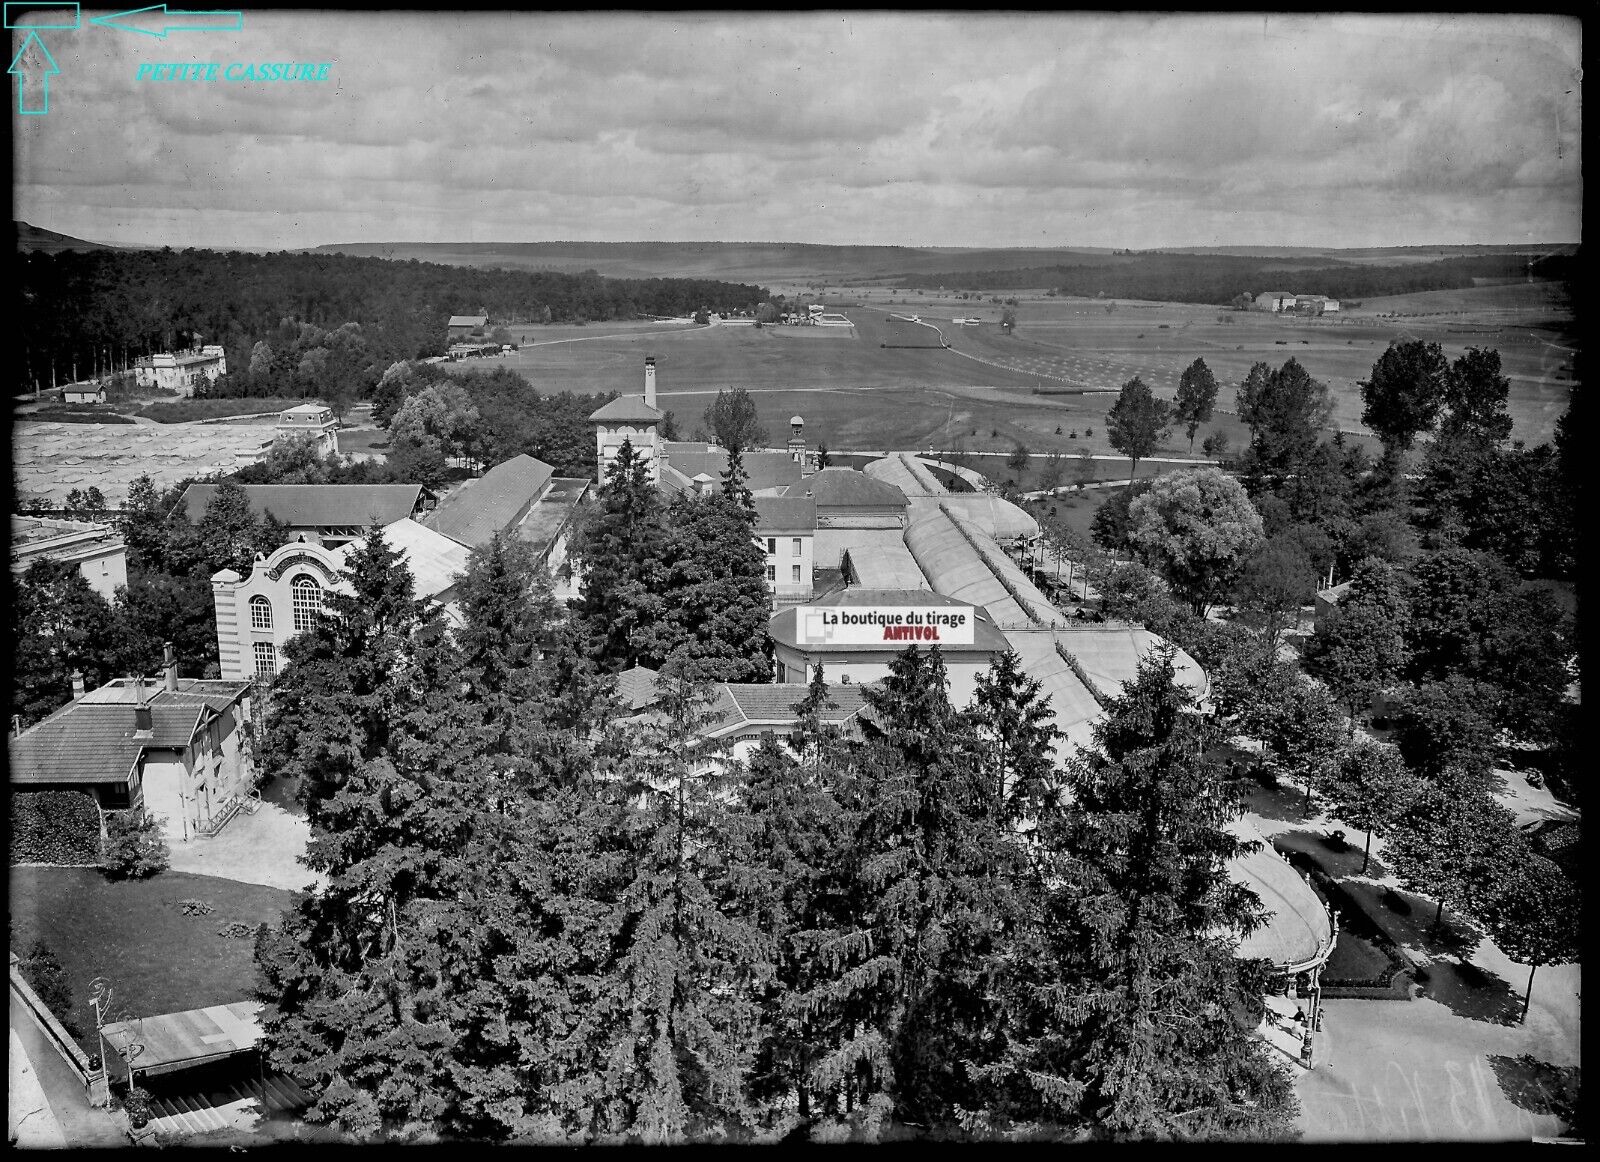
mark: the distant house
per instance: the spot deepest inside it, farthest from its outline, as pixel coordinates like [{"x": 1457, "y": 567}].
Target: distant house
[
  {"x": 1327, "y": 601},
  {"x": 314, "y": 422},
  {"x": 95, "y": 548},
  {"x": 466, "y": 327},
  {"x": 83, "y": 393},
  {"x": 1275, "y": 301},
  {"x": 180, "y": 371},
  {"x": 174, "y": 746},
  {"x": 786, "y": 528},
  {"x": 326, "y": 514}
]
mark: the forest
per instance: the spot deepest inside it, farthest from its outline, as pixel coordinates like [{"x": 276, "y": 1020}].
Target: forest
[
  {"x": 1219, "y": 278},
  {"x": 86, "y": 312}
]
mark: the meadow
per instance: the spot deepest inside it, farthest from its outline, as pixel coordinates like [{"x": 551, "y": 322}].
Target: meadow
[{"x": 884, "y": 383}]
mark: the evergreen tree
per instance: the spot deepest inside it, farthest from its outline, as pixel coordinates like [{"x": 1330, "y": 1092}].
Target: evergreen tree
[
  {"x": 620, "y": 547},
  {"x": 734, "y": 479},
  {"x": 675, "y": 1011},
  {"x": 1012, "y": 718},
  {"x": 63, "y": 627},
  {"x": 1126, "y": 1012},
  {"x": 712, "y": 585}
]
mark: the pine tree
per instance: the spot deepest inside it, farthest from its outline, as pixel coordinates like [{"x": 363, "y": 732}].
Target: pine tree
[
  {"x": 1126, "y": 1012},
  {"x": 1013, "y": 719},
  {"x": 620, "y": 550},
  {"x": 674, "y": 1010}
]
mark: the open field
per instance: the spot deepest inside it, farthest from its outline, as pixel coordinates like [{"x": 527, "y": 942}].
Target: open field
[{"x": 980, "y": 394}]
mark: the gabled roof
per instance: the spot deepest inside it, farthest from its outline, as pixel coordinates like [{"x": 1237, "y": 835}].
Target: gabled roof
[
  {"x": 627, "y": 409},
  {"x": 848, "y": 488},
  {"x": 782, "y": 513},
  {"x": 95, "y": 743},
  {"x": 434, "y": 559},
  {"x": 315, "y": 505},
  {"x": 468, "y": 320},
  {"x": 474, "y": 511},
  {"x": 740, "y": 705},
  {"x": 762, "y": 470}
]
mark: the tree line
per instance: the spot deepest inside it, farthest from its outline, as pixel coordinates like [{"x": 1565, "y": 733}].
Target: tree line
[
  {"x": 543, "y": 924},
  {"x": 103, "y": 308},
  {"x": 1218, "y": 278}
]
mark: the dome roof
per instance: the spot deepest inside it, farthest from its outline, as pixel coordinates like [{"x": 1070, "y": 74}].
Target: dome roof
[{"x": 796, "y": 420}]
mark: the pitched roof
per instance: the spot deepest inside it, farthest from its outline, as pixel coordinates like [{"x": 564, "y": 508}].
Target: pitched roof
[
  {"x": 627, "y": 408},
  {"x": 762, "y": 469},
  {"x": 785, "y": 512},
  {"x": 468, "y": 320},
  {"x": 741, "y": 704},
  {"x": 434, "y": 559},
  {"x": 95, "y": 743},
  {"x": 551, "y": 512},
  {"x": 316, "y": 505},
  {"x": 637, "y": 687},
  {"x": 848, "y": 488},
  {"x": 474, "y": 511}
]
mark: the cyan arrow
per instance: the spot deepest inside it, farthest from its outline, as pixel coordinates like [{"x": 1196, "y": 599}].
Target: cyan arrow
[
  {"x": 171, "y": 21},
  {"x": 42, "y": 71}
]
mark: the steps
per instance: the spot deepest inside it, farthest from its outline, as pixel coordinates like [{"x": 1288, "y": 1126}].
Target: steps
[{"x": 238, "y": 1104}]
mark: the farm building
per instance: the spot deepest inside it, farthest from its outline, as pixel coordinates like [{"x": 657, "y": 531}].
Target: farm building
[{"x": 466, "y": 327}]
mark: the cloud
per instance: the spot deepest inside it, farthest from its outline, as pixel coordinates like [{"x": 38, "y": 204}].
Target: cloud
[{"x": 894, "y": 128}]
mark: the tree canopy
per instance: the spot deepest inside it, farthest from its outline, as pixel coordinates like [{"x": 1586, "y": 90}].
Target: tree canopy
[
  {"x": 1195, "y": 527},
  {"x": 1137, "y": 422}
]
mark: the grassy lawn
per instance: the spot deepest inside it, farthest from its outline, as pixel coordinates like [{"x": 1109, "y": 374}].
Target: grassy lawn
[
  {"x": 185, "y": 410},
  {"x": 158, "y": 959},
  {"x": 1355, "y": 959}
]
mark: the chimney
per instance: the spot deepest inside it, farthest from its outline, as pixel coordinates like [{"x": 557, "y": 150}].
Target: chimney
[
  {"x": 77, "y": 684},
  {"x": 144, "y": 722},
  {"x": 170, "y": 668},
  {"x": 650, "y": 380},
  {"x": 16, "y": 725}
]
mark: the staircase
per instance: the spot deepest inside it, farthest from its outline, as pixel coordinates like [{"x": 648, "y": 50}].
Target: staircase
[
  {"x": 249, "y": 804},
  {"x": 238, "y": 1105}
]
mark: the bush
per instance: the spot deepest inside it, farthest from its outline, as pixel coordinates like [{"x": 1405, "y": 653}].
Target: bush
[
  {"x": 137, "y": 1105},
  {"x": 55, "y": 827},
  {"x": 48, "y": 979},
  {"x": 136, "y": 847}
]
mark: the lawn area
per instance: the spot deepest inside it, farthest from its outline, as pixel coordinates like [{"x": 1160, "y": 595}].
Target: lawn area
[
  {"x": 183, "y": 411},
  {"x": 157, "y": 959},
  {"x": 1356, "y": 961}
]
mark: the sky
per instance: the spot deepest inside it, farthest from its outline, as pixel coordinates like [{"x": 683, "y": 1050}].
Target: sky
[{"x": 1053, "y": 130}]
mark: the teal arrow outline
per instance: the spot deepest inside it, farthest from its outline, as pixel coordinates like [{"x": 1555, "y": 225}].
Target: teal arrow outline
[
  {"x": 21, "y": 73},
  {"x": 115, "y": 19}
]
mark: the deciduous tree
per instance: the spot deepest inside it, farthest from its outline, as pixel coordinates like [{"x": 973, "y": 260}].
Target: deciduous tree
[
  {"x": 1371, "y": 789},
  {"x": 1136, "y": 423},
  {"x": 1404, "y": 393},
  {"x": 731, "y": 420},
  {"x": 1535, "y": 917},
  {"x": 1197, "y": 396},
  {"x": 1195, "y": 527}
]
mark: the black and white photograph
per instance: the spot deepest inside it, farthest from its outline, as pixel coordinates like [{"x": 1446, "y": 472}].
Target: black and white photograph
[{"x": 735, "y": 578}]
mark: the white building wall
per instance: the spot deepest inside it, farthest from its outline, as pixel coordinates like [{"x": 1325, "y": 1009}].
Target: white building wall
[
  {"x": 783, "y": 559},
  {"x": 608, "y": 443},
  {"x": 273, "y": 579}
]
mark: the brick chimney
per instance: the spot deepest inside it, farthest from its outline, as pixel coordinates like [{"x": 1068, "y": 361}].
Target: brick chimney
[
  {"x": 144, "y": 723},
  {"x": 170, "y": 668},
  {"x": 650, "y": 380},
  {"x": 77, "y": 684}
]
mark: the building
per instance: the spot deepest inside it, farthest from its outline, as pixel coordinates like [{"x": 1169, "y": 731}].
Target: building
[
  {"x": 743, "y": 712},
  {"x": 786, "y": 529},
  {"x": 1274, "y": 301},
  {"x": 521, "y": 497},
  {"x": 174, "y": 746},
  {"x": 847, "y": 502},
  {"x": 95, "y": 548},
  {"x": 856, "y": 633},
  {"x": 83, "y": 393},
  {"x": 466, "y": 327},
  {"x": 325, "y": 514},
  {"x": 286, "y": 590},
  {"x": 765, "y": 472},
  {"x": 180, "y": 372},
  {"x": 632, "y": 419},
  {"x": 1327, "y": 600},
  {"x": 314, "y": 422}
]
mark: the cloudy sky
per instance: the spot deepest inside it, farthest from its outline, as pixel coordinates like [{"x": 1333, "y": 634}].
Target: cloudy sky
[{"x": 961, "y": 130}]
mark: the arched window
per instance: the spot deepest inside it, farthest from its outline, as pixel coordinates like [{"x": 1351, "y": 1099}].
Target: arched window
[
  {"x": 307, "y": 602},
  {"x": 260, "y": 613}
]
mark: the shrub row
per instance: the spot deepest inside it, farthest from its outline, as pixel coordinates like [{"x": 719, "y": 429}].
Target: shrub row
[
  {"x": 966, "y": 534},
  {"x": 1072, "y": 664},
  {"x": 55, "y": 827}
]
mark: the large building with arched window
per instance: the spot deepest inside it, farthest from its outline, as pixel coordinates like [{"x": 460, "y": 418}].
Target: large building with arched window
[{"x": 286, "y": 590}]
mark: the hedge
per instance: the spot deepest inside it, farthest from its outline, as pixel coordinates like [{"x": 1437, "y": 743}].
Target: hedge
[{"x": 55, "y": 827}]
